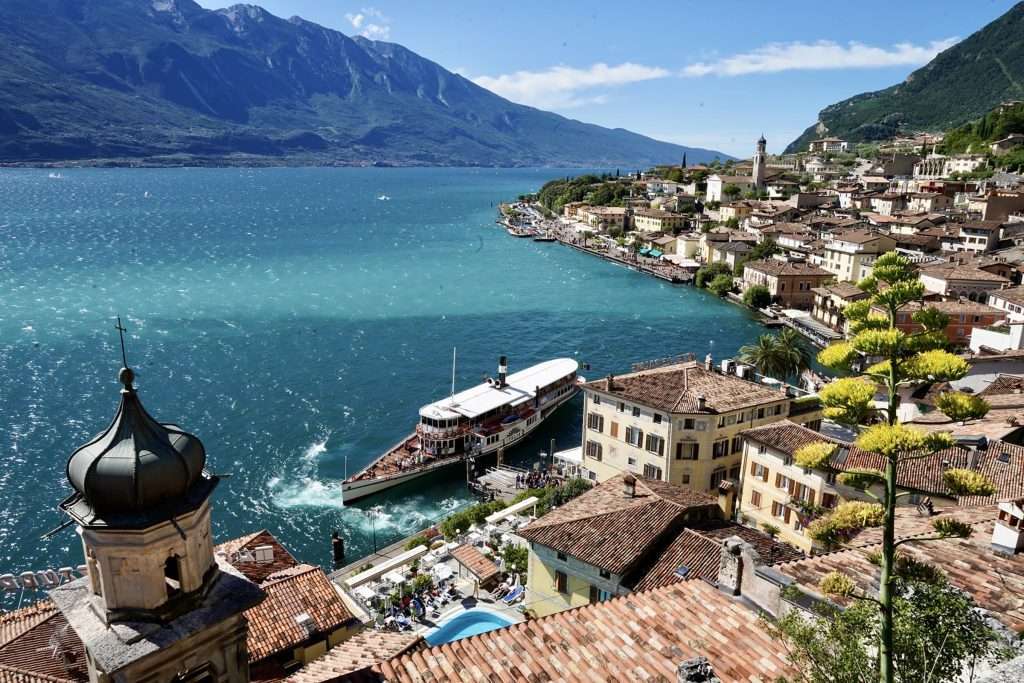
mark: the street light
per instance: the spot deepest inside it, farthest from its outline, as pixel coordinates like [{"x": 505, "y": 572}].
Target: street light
[{"x": 372, "y": 513}]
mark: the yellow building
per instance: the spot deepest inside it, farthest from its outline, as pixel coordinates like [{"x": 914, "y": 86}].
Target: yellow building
[
  {"x": 681, "y": 422},
  {"x": 588, "y": 549},
  {"x": 847, "y": 252},
  {"x": 653, "y": 220},
  {"x": 776, "y": 491}
]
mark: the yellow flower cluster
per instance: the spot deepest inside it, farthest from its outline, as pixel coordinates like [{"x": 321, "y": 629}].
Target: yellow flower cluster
[{"x": 895, "y": 440}]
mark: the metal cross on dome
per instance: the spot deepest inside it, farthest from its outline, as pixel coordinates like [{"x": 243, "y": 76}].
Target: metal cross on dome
[{"x": 120, "y": 331}]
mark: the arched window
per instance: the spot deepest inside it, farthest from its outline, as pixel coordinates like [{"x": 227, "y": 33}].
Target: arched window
[
  {"x": 972, "y": 296},
  {"x": 172, "y": 575}
]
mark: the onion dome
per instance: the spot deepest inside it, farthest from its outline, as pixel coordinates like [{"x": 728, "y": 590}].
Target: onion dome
[{"x": 137, "y": 469}]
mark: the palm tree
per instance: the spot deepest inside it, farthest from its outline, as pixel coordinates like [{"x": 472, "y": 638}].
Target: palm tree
[
  {"x": 781, "y": 356},
  {"x": 764, "y": 354}
]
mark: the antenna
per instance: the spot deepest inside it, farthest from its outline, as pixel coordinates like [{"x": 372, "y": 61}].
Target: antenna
[
  {"x": 120, "y": 331},
  {"x": 453, "y": 372}
]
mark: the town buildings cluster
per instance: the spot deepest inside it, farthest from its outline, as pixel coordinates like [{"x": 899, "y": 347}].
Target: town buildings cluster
[{"x": 694, "y": 527}]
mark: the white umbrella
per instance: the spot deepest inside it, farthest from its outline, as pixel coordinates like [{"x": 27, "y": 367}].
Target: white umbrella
[
  {"x": 395, "y": 578},
  {"x": 442, "y": 572}
]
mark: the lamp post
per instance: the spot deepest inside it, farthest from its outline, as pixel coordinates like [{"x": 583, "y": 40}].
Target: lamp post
[{"x": 372, "y": 514}]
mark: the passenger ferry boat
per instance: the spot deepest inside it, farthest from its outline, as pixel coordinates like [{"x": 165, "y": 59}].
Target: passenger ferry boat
[{"x": 496, "y": 414}]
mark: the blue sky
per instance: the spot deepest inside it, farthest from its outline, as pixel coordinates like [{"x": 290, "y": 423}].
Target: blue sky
[{"x": 705, "y": 74}]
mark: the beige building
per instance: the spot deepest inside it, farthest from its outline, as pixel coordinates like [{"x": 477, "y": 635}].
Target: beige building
[
  {"x": 791, "y": 284},
  {"x": 680, "y": 423},
  {"x": 847, "y": 252},
  {"x": 603, "y": 218},
  {"x": 959, "y": 280},
  {"x": 652, "y": 220},
  {"x": 830, "y": 300},
  {"x": 718, "y": 183}
]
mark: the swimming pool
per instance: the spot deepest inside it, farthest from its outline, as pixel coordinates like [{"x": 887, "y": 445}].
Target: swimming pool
[{"x": 465, "y": 624}]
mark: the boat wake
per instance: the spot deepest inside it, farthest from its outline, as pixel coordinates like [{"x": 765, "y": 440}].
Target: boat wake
[{"x": 305, "y": 490}]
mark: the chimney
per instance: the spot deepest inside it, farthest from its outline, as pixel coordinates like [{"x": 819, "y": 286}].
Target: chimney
[
  {"x": 696, "y": 670},
  {"x": 730, "y": 566},
  {"x": 701, "y": 402},
  {"x": 1008, "y": 532},
  {"x": 629, "y": 486},
  {"x": 709, "y": 363},
  {"x": 502, "y": 371}
]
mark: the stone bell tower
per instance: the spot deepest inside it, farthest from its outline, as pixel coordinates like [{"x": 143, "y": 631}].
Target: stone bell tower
[
  {"x": 760, "y": 159},
  {"x": 156, "y": 605}
]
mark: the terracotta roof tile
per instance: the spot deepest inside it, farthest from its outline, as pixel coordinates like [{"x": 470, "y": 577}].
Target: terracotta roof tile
[
  {"x": 357, "y": 654},
  {"x": 607, "y": 529},
  {"x": 778, "y": 268},
  {"x": 478, "y": 564},
  {"x": 13, "y": 624},
  {"x": 677, "y": 388},
  {"x": 238, "y": 549},
  {"x": 957, "y": 271},
  {"x": 1004, "y": 384},
  {"x": 34, "y": 654},
  {"x": 642, "y": 636},
  {"x": 995, "y": 581},
  {"x": 272, "y": 623}
]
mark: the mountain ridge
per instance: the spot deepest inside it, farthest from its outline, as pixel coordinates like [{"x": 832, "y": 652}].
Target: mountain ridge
[
  {"x": 960, "y": 84},
  {"x": 167, "y": 81}
]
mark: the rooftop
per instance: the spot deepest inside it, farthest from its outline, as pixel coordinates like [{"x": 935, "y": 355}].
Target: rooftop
[
  {"x": 609, "y": 529},
  {"x": 679, "y": 388},
  {"x": 642, "y": 636},
  {"x": 699, "y": 548},
  {"x": 842, "y": 290},
  {"x": 782, "y": 268},
  {"x": 520, "y": 387},
  {"x": 357, "y": 654},
  {"x": 478, "y": 564},
  {"x": 958, "y": 271},
  {"x": 1014, "y": 295}
]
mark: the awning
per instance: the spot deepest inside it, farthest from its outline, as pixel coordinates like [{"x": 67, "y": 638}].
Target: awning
[
  {"x": 656, "y": 253},
  {"x": 645, "y": 251},
  {"x": 512, "y": 510},
  {"x": 386, "y": 566}
]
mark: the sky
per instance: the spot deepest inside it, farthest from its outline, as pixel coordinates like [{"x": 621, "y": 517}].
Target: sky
[{"x": 702, "y": 74}]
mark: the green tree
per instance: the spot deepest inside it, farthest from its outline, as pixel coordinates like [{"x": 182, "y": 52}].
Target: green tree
[
  {"x": 780, "y": 355},
  {"x": 516, "y": 559},
  {"x": 707, "y": 273},
  {"x": 720, "y": 285},
  {"x": 757, "y": 296},
  {"x": 960, "y": 407},
  {"x": 907, "y": 359},
  {"x": 587, "y": 236},
  {"x": 731, "y": 190}
]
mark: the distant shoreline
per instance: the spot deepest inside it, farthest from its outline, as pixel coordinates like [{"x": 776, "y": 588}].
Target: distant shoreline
[{"x": 278, "y": 162}]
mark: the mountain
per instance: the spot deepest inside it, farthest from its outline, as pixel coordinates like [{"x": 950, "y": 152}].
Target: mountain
[
  {"x": 171, "y": 81},
  {"x": 960, "y": 84}
]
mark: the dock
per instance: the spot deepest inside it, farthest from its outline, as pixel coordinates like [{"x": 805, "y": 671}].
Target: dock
[{"x": 501, "y": 481}]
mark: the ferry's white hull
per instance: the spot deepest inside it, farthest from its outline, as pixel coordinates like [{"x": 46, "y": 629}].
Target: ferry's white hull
[{"x": 355, "y": 490}]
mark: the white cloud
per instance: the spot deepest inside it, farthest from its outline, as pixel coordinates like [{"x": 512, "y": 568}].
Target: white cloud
[
  {"x": 823, "y": 54},
  {"x": 564, "y": 87},
  {"x": 370, "y": 23}
]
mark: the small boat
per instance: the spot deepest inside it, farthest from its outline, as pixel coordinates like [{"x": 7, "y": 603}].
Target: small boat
[
  {"x": 383, "y": 198},
  {"x": 519, "y": 232},
  {"x": 476, "y": 422},
  {"x": 57, "y": 176},
  {"x": 544, "y": 238}
]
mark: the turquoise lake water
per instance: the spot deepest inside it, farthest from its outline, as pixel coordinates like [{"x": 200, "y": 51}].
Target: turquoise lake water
[{"x": 295, "y": 322}]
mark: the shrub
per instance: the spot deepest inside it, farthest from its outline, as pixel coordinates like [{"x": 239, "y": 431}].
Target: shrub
[
  {"x": 417, "y": 541},
  {"x": 721, "y": 285},
  {"x": 757, "y": 296}
]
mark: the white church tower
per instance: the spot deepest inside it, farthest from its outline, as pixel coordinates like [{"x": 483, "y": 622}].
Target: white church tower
[{"x": 760, "y": 159}]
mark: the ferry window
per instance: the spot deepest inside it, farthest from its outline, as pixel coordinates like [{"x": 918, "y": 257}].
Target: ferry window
[{"x": 636, "y": 412}]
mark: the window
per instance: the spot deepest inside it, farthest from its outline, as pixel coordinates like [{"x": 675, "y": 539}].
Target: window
[
  {"x": 598, "y": 595},
  {"x": 594, "y": 450},
  {"x": 688, "y": 423},
  {"x": 562, "y": 557},
  {"x": 778, "y": 509},
  {"x": 657, "y": 419},
  {"x": 720, "y": 449},
  {"x": 634, "y": 437},
  {"x": 685, "y": 479},
  {"x": 755, "y": 498},
  {"x": 737, "y": 444},
  {"x": 597, "y": 400},
  {"x": 687, "y": 451},
  {"x": 717, "y": 477},
  {"x": 172, "y": 576},
  {"x": 701, "y": 425},
  {"x": 759, "y": 471},
  {"x": 778, "y": 409},
  {"x": 652, "y": 472},
  {"x": 760, "y": 413},
  {"x": 605, "y": 574},
  {"x": 561, "y": 582},
  {"x": 622, "y": 407},
  {"x": 761, "y": 448},
  {"x": 734, "y": 472},
  {"x": 782, "y": 482},
  {"x": 828, "y": 500},
  {"x": 614, "y": 429},
  {"x": 655, "y": 444},
  {"x": 636, "y": 412},
  {"x": 592, "y": 476},
  {"x": 595, "y": 422},
  {"x": 631, "y": 461}
]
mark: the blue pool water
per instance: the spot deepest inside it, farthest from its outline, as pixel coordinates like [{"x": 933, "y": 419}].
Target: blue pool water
[
  {"x": 295, "y": 323},
  {"x": 469, "y": 623}
]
